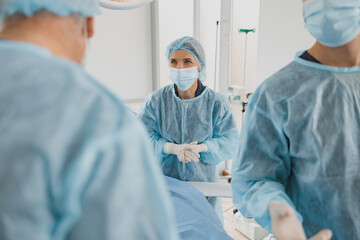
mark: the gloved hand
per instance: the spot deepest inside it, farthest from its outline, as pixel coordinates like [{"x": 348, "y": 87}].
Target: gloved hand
[
  {"x": 197, "y": 148},
  {"x": 286, "y": 226},
  {"x": 192, "y": 150},
  {"x": 182, "y": 151}
]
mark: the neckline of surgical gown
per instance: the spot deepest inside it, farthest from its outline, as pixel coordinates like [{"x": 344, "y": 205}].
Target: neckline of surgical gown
[
  {"x": 201, "y": 95},
  {"x": 24, "y": 46},
  {"x": 325, "y": 67}
]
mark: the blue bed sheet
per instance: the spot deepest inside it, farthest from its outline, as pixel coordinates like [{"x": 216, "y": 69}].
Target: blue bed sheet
[{"x": 195, "y": 217}]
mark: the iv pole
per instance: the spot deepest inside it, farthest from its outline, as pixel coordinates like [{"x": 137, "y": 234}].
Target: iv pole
[
  {"x": 242, "y": 100},
  {"x": 245, "y": 102},
  {"x": 216, "y": 52},
  {"x": 246, "y": 31}
]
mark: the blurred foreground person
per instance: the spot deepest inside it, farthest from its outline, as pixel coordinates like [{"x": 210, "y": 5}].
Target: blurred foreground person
[
  {"x": 69, "y": 149},
  {"x": 299, "y": 158}
]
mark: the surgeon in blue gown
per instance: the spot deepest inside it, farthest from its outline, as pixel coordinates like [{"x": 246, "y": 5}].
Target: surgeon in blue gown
[
  {"x": 298, "y": 162},
  {"x": 74, "y": 161},
  {"x": 192, "y": 127}
]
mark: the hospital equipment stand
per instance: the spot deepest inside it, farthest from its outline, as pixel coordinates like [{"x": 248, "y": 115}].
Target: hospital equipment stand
[
  {"x": 246, "y": 31},
  {"x": 239, "y": 94}
]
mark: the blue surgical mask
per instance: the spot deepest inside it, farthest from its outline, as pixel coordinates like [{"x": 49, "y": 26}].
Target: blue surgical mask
[
  {"x": 184, "y": 77},
  {"x": 333, "y": 23}
]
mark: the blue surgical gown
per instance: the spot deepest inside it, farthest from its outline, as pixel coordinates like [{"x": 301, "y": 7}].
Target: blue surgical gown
[
  {"x": 300, "y": 145},
  {"x": 206, "y": 119},
  {"x": 74, "y": 161}
]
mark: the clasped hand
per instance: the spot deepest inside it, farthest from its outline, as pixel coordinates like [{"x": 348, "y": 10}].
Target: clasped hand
[{"x": 185, "y": 152}]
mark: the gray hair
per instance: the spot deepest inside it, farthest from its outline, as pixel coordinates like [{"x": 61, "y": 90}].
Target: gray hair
[
  {"x": 9, "y": 19},
  {"x": 12, "y": 18}
]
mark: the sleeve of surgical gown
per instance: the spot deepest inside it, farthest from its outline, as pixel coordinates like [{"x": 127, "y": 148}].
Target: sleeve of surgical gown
[
  {"x": 224, "y": 141},
  {"x": 148, "y": 117},
  {"x": 262, "y": 164},
  {"x": 123, "y": 194}
]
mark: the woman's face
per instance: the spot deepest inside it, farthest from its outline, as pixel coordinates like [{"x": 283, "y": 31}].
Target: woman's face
[{"x": 183, "y": 59}]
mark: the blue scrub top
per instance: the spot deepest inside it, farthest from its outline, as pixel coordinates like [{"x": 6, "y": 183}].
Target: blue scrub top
[{"x": 307, "y": 56}]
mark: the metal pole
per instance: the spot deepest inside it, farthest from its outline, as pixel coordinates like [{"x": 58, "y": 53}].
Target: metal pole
[
  {"x": 246, "y": 31},
  {"x": 224, "y": 46},
  {"x": 244, "y": 82},
  {"x": 197, "y": 19},
  {"x": 155, "y": 44},
  {"x": 216, "y": 51}
]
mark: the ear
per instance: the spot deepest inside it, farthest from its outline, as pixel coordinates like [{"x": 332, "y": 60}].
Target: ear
[{"x": 90, "y": 22}]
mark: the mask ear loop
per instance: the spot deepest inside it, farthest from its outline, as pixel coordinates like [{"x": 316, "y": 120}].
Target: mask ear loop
[{"x": 86, "y": 42}]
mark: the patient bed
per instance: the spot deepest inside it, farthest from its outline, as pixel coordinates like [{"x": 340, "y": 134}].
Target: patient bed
[{"x": 195, "y": 217}]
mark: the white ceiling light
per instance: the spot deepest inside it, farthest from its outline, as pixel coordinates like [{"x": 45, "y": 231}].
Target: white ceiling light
[{"x": 123, "y": 5}]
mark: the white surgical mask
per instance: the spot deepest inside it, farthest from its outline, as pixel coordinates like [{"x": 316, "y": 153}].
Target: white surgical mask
[
  {"x": 184, "y": 77},
  {"x": 332, "y": 22}
]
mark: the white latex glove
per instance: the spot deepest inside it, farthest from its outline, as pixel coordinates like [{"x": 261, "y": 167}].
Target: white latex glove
[
  {"x": 190, "y": 154},
  {"x": 192, "y": 151},
  {"x": 182, "y": 151},
  {"x": 197, "y": 148},
  {"x": 286, "y": 226}
]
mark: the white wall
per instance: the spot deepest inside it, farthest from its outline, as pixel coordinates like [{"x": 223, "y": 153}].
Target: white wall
[
  {"x": 281, "y": 35},
  {"x": 209, "y": 15},
  {"x": 120, "y": 55},
  {"x": 245, "y": 15},
  {"x": 175, "y": 20}
]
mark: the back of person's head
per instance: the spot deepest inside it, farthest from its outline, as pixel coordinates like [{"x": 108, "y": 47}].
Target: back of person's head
[
  {"x": 28, "y": 8},
  {"x": 333, "y": 23},
  {"x": 192, "y": 46},
  {"x": 61, "y": 26}
]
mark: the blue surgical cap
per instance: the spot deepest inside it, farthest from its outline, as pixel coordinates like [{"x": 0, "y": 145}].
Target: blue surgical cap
[
  {"x": 87, "y": 8},
  {"x": 192, "y": 46}
]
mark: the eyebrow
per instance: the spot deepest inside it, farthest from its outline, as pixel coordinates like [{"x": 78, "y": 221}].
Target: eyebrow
[{"x": 181, "y": 59}]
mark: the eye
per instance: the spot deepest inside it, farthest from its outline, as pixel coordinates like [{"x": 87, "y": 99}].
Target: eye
[
  {"x": 173, "y": 61},
  {"x": 188, "y": 61}
]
